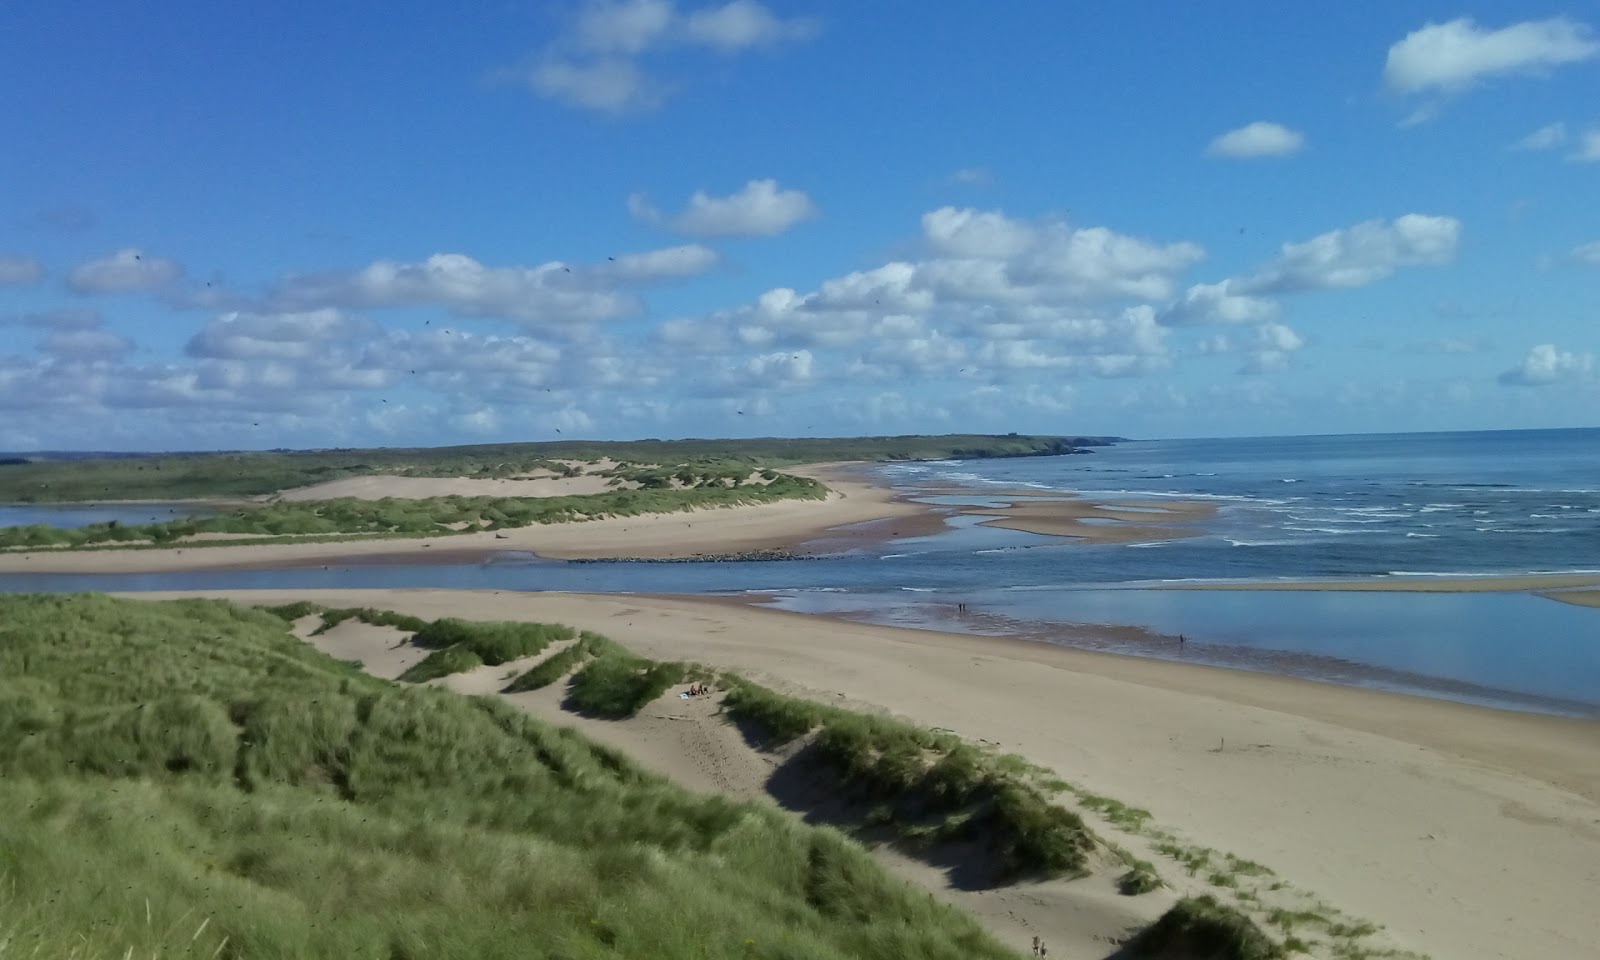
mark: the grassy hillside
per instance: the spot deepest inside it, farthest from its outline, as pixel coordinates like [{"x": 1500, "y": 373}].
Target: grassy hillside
[
  {"x": 220, "y": 475},
  {"x": 189, "y": 780}
]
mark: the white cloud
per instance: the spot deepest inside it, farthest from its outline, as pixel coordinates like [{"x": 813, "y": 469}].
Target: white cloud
[
  {"x": 607, "y": 85},
  {"x": 595, "y": 63},
  {"x": 480, "y": 421},
  {"x": 1259, "y": 139},
  {"x": 1544, "y": 365},
  {"x": 279, "y": 336},
  {"x": 551, "y": 294},
  {"x": 126, "y": 271},
  {"x": 758, "y": 209},
  {"x": 18, "y": 270},
  {"x": 1359, "y": 255},
  {"x": 1547, "y": 137},
  {"x": 1269, "y": 349},
  {"x": 631, "y": 26},
  {"x": 1452, "y": 56},
  {"x": 985, "y": 255},
  {"x": 1348, "y": 257},
  {"x": 85, "y": 345},
  {"x": 1587, "y": 253},
  {"x": 1218, "y": 303},
  {"x": 1588, "y": 148},
  {"x": 742, "y": 25}
]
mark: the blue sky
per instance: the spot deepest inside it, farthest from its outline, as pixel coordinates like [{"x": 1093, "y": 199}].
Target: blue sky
[{"x": 308, "y": 225}]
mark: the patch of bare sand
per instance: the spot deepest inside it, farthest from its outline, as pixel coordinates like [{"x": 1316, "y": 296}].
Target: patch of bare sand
[
  {"x": 855, "y": 512},
  {"x": 382, "y": 651},
  {"x": 687, "y": 741},
  {"x": 1582, "y": 598},
  {"x": 380, "y": 486},
  {"x": 1469, "y": 833}
]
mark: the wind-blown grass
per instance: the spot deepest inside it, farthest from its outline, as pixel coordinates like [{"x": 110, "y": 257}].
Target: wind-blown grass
[
  {"x": 186, "y": 779},
  {"x": 420, "y": 517},
  {"x": 174, "y": 476},
  {"x": 929, "y": 786},
  {"x": 1201, "y": 928}
]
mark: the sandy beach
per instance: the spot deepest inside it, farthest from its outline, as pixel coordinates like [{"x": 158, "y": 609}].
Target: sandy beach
[
  {"x": 857, "y": 511},
  {"x": 1466, "y": 832}
]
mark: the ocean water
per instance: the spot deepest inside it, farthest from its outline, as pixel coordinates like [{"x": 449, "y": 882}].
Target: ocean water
[
  {"x": 1288, "y": 508},
  {"x": 1524, "y": 501}
]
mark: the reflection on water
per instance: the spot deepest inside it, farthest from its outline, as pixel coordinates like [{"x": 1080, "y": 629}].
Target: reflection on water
[
  {"x": 70, "y": 516},
  {"x": 1500, "y": 649}
]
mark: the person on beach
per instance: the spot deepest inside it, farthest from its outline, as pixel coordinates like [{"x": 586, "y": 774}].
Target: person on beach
[{"x": 1036, "y": 945}]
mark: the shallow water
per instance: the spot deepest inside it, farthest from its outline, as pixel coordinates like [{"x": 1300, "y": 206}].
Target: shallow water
[
  {"x": 1359, "y": 507},
  {"x": 70, "y": 516}
]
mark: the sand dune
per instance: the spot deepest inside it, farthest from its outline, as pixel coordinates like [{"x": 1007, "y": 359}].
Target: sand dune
[
  {"x": 855, "y": 511},
  {"x": 379, "y": 486},
  {"x": 1467, "y": 832}
]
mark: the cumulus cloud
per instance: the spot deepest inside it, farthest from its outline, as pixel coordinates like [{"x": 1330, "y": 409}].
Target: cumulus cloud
[
  {"x": 1448, "y": 57},
  {"x": 595, "y": 63},
  {"x": 1348, "y": 257},
  {"x": 1359, "y": 255},
  {"x": 1259, "y": 139},
  {"x": 1219, "y": 303},
  {"x": 552, "y": 294},
  {"x": 758, "y": 209},
  {"x": 1547, "y": 137},
  {"x": 988, "y": 255},
  {"x": 126, "y": 271},
  {"x": 18, "y": 270},
  {"x": 1545, "y": 365},
  {"x": 278, "y": 336}
]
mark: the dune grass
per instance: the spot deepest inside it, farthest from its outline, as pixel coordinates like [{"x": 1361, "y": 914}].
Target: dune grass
[
  {"x": 558, "y": 664},
  {"x": 237, "y": 474},
  {"x": 187, "y": 779},
  {"x": 929, "y": 786},
  {"x": 1201, "y": 928},
  {"x": 419, "y": 517}
]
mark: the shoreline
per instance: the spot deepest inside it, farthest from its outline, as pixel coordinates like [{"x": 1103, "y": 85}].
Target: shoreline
[
  {"x": 1146, "y": 643},
  {"x": 859, "y": 511},
  {"x": 1403, "y": 810}
]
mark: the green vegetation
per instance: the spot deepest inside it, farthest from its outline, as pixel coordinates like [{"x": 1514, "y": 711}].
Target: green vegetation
[
  {"x": 929, "y": 786},
  {"x": 1141, "y": 877},
  {"x": 426, "y": 517},
  {"x": 220, "y": 475},
  {"x": 1200, "y": 928},
  {"x": 558, "y": 664},
  {"x": 186, "y": 779},
  {"x": 459, "y": 645}
]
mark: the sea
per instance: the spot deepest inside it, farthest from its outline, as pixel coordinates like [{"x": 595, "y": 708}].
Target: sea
[{"x": 1370, "y": 507}]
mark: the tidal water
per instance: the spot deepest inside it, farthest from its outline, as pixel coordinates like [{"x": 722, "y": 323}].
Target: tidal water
[{"x": 1367, "y": 506}]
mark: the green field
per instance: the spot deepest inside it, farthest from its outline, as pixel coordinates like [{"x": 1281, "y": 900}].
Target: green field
[
  {"x": 223, "y": 475},
  {"x": 188, "y": 779}
]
